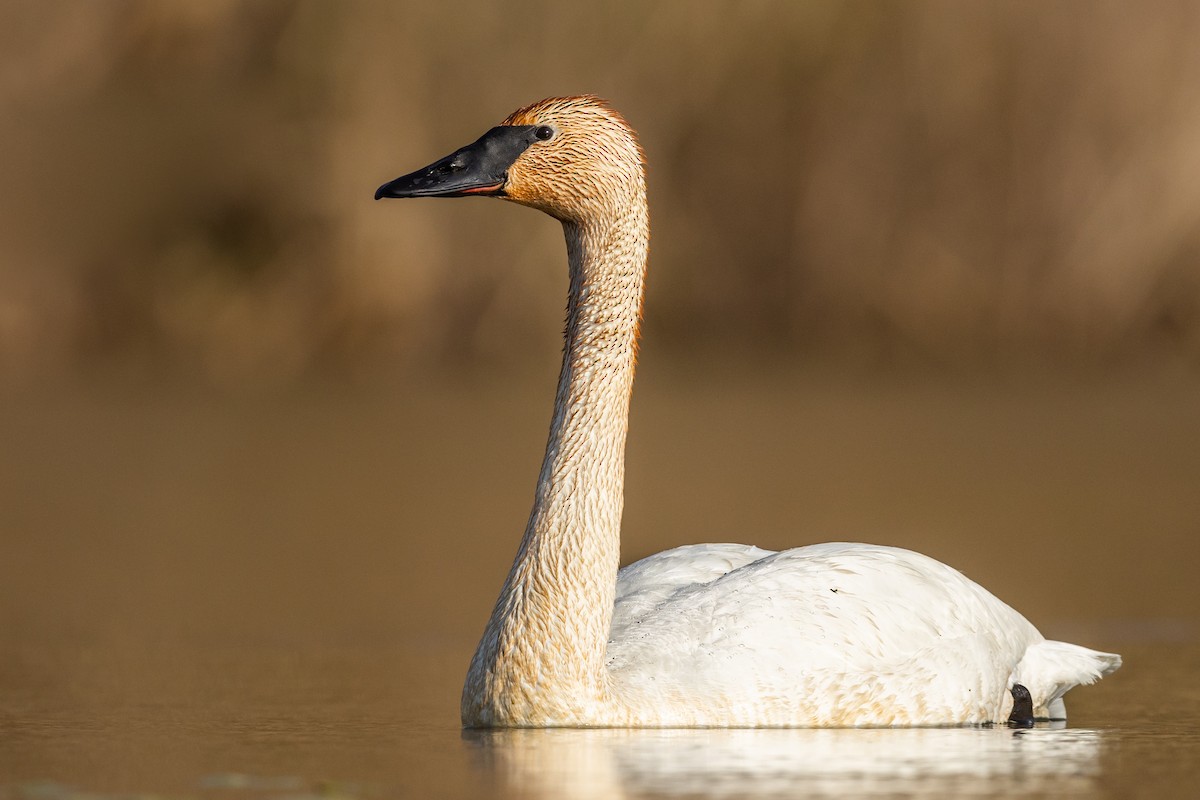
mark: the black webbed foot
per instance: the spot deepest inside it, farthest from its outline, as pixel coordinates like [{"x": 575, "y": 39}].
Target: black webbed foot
[{"x": 1022, "y": 710}]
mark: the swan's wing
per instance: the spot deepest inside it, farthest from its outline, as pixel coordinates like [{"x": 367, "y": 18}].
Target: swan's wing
[
  {"x": 644, "y": 585},
  {"x": 826, "y": 634}
]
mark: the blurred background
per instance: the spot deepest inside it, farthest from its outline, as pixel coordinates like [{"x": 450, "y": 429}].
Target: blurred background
[
  {"x": 189, "y": 183},
  {"x": 922, "y": 273}
]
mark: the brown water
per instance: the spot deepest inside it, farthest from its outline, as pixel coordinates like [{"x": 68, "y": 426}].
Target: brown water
[{"x": 276, "y": 596}]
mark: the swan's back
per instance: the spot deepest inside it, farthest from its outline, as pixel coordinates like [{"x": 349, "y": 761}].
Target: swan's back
[{"x": 829, "y": 634}]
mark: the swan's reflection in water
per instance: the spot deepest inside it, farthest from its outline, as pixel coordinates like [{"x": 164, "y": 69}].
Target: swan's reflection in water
[{"x": 951, "y": 762}]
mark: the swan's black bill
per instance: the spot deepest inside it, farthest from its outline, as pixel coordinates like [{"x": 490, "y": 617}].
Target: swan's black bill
[{"x": 479, "y": 168}]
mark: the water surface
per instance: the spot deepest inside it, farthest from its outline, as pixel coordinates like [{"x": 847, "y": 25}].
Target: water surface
[
  {"x": 380, "y": 722},
  {"x": 277, "y": 597}
]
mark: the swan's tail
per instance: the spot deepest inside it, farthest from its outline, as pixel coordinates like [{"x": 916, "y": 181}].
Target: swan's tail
[{"x": 1049, "y": 669}]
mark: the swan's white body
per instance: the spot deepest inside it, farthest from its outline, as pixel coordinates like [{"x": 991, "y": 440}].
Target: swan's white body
[
  {"x": 829, "y": 634},
  {"x": 704, "y": 635}
]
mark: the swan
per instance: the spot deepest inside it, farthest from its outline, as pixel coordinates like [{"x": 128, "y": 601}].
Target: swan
[{"x": 708, "y": 635}]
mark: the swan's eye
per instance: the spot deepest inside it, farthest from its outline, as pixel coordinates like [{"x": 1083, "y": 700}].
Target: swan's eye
[{"x": 544, "y": 132}]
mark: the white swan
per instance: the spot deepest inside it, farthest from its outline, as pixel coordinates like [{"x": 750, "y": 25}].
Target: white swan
[{"x": 705, "y": 635}]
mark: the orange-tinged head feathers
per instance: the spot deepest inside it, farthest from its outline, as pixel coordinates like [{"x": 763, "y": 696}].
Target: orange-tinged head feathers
[
  {"x": 575, "y": 108},
  {"x": 588, "y": 168}
]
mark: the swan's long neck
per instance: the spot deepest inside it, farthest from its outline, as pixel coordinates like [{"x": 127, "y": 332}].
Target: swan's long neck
[{"x": 542, "y": 657}]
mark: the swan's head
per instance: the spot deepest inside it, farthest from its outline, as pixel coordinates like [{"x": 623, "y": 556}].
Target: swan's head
[{"x": 572, "y": 157}]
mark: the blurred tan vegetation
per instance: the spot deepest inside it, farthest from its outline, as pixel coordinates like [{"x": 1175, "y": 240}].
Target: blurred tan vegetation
[{"x": 188, "y": 182}]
